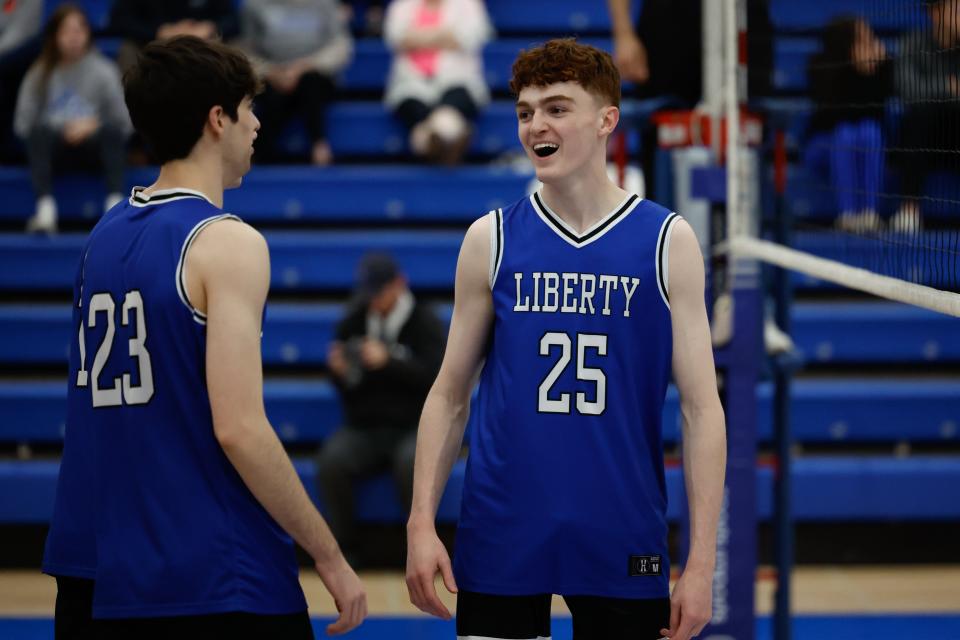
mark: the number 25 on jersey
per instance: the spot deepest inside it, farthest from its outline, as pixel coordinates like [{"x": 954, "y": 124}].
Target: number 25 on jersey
[
  {"x": 121, "y": 392},
  {"x": 561, "y": 404}
]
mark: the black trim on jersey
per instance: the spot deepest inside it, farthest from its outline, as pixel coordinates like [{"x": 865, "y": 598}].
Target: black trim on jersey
[
  {"x": 660, "y": 249},
  {"x": 496, "y": 261},
  {"x": 198, "y": 316},
  {"x": 584, "y": 238},
  {"x": 156, "y": 199}
]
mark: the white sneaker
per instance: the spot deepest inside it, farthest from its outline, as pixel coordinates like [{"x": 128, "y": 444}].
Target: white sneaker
[
  {"x": 44, "y": 220},
  {"x": 420, "y": 138},
  {"x": 863, "y": 222},
  {"x": 907, "y": 219},
  {"x": 869, "y": 221},
  {"x": 846, "y": 221}
]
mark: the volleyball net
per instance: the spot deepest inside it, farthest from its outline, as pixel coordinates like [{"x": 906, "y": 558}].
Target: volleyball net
[{"x": 863, "y": 148}]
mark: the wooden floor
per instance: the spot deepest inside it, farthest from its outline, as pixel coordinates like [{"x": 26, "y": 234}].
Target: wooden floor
[{"x": 822, "y": 589}]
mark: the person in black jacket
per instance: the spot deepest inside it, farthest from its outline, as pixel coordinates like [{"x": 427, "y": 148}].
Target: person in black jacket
[
  {"x": 850, "y": 81},
  {"x": 384, "y": 358}
]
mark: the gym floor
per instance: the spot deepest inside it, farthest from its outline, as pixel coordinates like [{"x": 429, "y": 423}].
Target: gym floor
[{"x": 849, "y": 602}]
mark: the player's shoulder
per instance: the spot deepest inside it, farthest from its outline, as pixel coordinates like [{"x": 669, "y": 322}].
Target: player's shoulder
[
  {"x": 517, "y": 208},
  {"x": 654, "y": 209},
  {"x": 228, "y": 235}
]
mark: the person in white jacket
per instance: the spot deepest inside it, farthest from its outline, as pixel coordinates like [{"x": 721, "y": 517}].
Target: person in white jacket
[{"x": 436, "y": 85}]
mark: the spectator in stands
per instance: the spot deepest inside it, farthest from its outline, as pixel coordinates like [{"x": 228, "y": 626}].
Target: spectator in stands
[
  {"x": 436, "y": 84},
  {"x": 298, "y": 47},
  {"x": 70, "y": 112},
  {"x": 142, "y": 21},
  {"x": 20, "y": 25},
  {"x": 850, "y": 81},
  {"x": 386, "y": 353},
  {"x": 928, "y": 81}
]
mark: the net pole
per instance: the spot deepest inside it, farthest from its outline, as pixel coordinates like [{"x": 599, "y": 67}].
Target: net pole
[
  {"x": 738, "y": 364},
  {"x": 783, "y": 367}
]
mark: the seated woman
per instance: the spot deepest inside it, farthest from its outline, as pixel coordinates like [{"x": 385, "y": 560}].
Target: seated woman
[
  {"x": 436, "y": 84},
  {"x": 850, "y": 81},
  {"x": 298, "y": 47},
  {"x": 70, "y": 112}
]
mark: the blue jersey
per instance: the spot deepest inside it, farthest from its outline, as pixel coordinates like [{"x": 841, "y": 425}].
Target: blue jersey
[
  {"x": 565, "y": 489},
  {"x": 147, "y": 502}
]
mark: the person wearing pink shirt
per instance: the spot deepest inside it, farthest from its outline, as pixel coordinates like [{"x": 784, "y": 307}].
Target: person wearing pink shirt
[{"x": 436, "y": 85}]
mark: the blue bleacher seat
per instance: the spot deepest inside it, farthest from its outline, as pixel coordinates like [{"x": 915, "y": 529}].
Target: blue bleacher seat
[
  {"x": 327, "y": 261},
  {"x": 561, "y": 17},
  {"x": 370, "y": 66},
  {"x": 831, "y": 409},
  {"x": 297, "y": 334},
  {"x": 825, "y": 488},
  {"x": 790, "y": 56},
  {"x": 812, "y": 15},
  {"x": 307, "y": 194}
]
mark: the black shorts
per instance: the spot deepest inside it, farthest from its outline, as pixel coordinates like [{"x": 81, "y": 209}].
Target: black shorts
[
  {"x": 528, "y": 617},
  {"x": 72, "y": 618},
  {"x": 219, "y": 626}
]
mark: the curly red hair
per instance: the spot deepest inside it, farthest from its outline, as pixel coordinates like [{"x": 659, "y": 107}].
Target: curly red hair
[{"x": 566, "y": 60}]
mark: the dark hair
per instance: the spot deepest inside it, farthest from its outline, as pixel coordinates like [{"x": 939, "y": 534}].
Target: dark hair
[
  {"x": 49, "y": 53},
  {"x": 837, "y": 39},
  {"x": 174, "y": 84},
  {"x": 566, "y": 60},
  {"x": 828, "y": 71}
]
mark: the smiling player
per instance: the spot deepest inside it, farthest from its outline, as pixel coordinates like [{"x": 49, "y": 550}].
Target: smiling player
[{"x": 577, "y": 302}]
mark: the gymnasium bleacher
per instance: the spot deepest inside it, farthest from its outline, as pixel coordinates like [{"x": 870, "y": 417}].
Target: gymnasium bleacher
[{"x": 878, "y": 380}]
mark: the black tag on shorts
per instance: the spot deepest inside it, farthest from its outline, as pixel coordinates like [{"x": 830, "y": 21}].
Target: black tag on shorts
[{"x": 645, "y": 566}]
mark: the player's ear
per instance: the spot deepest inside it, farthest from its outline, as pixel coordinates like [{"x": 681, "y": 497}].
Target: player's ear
[
  {"x": 215, "y": 119},
  {"x": 609, "y": 117}
]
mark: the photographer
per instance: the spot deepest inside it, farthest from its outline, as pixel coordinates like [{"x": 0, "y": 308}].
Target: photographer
[{"x": 384, "y": 359}]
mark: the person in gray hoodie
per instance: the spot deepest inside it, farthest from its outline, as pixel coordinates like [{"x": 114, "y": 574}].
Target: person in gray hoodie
[
  {"x": 70, "y": 112},
  {"x": 298, "y": 47}
]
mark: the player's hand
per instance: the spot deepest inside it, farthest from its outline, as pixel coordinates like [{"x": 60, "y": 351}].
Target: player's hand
[
  {"x": 77, "y": 130},
  {"x": 426, "y": 556},
  {"x": 691, "y": 605},
  {"x": 283, "y": 78},
  {"x": 630, "y": 56},
  {"x": 348, "y": 594},
  {"x": 374, "y": 354},
  {"x": 336, "y": 360}
]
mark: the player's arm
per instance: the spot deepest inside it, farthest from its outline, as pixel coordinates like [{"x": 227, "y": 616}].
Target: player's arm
[
  {"x": 444, "y": 417},
  {"x": 228, "y": 270},
  {"x": 628, "y": 50},
  {"x": 704, "y": 437}
]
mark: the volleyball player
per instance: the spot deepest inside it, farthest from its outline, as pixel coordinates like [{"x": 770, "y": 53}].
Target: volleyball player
[
  {"x": 573, "y": 305},
  {"x": 176, "y": 502}
]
